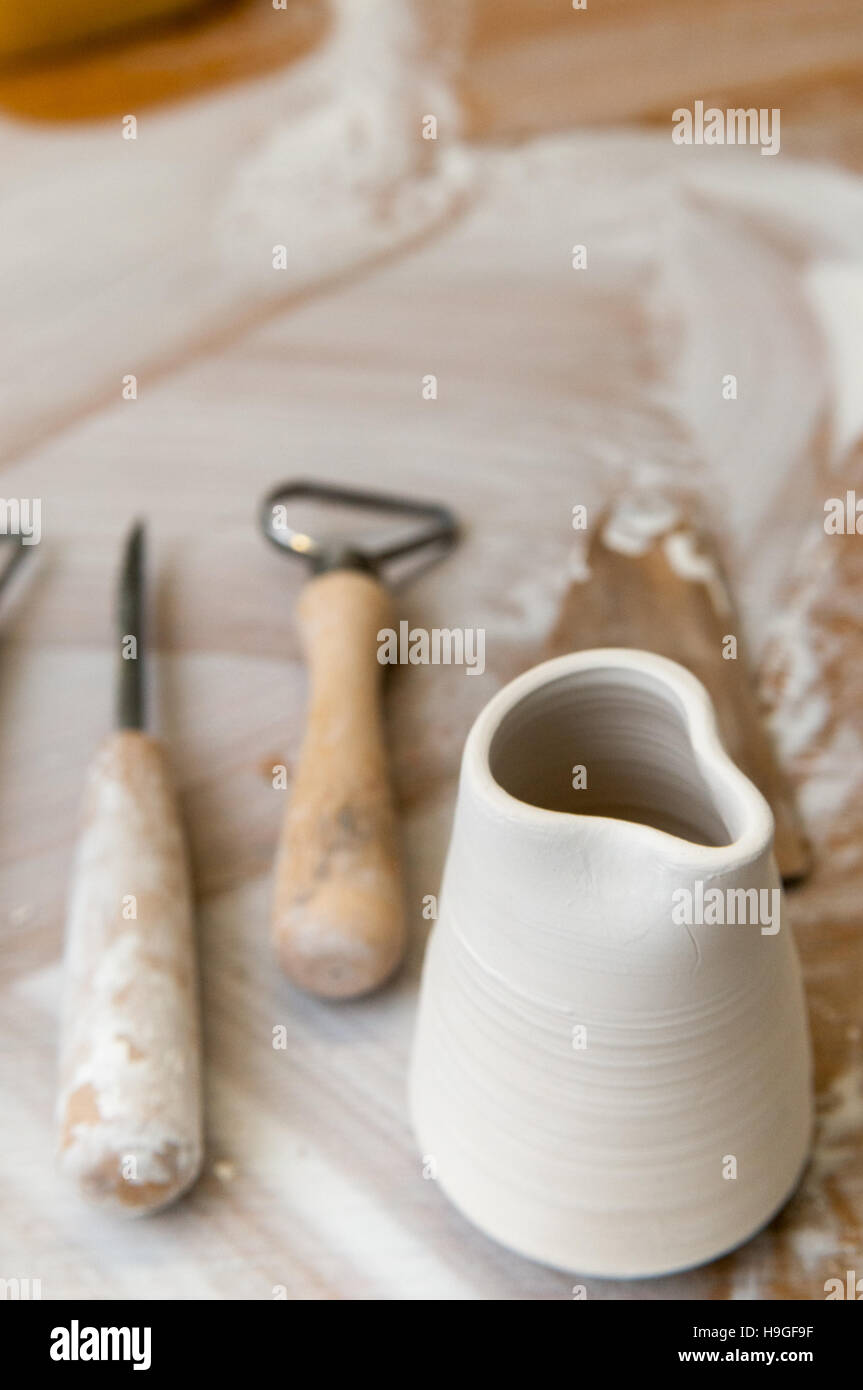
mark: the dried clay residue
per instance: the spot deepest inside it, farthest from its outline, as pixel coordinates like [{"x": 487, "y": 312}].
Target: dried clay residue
[{"x": 813, "y": 681}]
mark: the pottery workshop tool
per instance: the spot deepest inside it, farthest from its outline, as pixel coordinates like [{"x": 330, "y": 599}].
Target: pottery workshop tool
[
  {"x": 17, "y": 553},
  {"x": 130, "y": 1070},
  {"x": 338, "y": 914},
  {"x": 654, "y": 581}
]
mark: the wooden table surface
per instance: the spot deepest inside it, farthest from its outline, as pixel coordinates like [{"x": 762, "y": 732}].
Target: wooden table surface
[{"x": 555, "y": 387}]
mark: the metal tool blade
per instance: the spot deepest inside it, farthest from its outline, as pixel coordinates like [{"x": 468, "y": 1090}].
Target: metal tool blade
[{"x": 130, "y": 695}]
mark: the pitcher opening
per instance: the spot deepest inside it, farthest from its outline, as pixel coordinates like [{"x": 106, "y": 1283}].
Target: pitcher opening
[{"x": 628, "y": 731}]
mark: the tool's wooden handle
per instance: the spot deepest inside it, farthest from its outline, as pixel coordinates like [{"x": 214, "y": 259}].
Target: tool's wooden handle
[
  {"x": 338, "y": 920},
  {"x": 130, "y": 1069}
]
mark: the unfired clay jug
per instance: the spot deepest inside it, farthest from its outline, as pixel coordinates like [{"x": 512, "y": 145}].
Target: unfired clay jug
[{"x": 610, "y": 1075}]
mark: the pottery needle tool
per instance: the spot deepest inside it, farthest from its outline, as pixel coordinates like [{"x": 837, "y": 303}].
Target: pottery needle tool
[
  {"x": 655, "y": 581},
  {"x": 338, "y": 911},
  {"x": 130, "y": 1068}
]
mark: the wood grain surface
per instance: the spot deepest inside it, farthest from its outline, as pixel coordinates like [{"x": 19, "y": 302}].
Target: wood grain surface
[{"x": 554, "y": 388}]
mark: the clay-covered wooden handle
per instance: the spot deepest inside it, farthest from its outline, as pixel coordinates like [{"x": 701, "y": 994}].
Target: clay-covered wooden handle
[
  {"x": 130, "y": 1068},
  {"x": 338, "y": 920}
]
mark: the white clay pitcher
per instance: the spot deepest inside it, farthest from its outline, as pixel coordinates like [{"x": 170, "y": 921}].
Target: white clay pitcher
[{"x": 611, "y": 1075}]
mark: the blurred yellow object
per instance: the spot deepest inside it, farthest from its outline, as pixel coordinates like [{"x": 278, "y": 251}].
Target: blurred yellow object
[
  {"x": 183, "y": 51},
  {"x": 28, "y": 27}
]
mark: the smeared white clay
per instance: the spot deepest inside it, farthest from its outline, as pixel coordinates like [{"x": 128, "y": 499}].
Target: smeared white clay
[
  {"x": 600, "y": 1088},
  {"x": 129, "y": 1105},
  {"x": 636, "y": 523}
]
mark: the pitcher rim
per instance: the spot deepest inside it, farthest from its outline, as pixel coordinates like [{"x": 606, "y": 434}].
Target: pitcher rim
[{"x": 756, "y": 830}]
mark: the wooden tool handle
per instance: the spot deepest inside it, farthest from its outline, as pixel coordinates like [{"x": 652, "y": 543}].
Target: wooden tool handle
[
  {"x": 130, "y": 1070},
  {"x": 668, "y": 593},
  {"x": 338, "y": 921}
]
